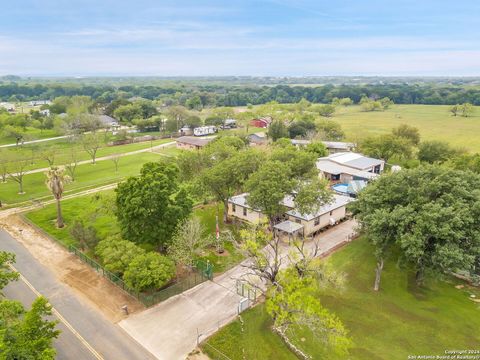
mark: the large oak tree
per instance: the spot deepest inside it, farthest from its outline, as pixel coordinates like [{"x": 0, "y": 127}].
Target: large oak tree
[{"x": 431, "y": 215}]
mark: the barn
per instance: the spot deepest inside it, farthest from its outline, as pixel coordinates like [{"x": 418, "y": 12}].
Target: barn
[{"x": 261, "y": 122}]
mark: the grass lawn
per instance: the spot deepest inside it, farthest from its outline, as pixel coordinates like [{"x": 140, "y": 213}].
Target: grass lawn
[
  {"x": 93, "y": 209},
  {"x": 433, "y": 121},
  {"x": 63, "y": 151},
  {"x": 30, "y": 134},
  {"x": 231, "y": 256},
  {"x": 253, "y": 340},
  {"x": 86, "y": 176},
  {"x": 398, "y": 321}
]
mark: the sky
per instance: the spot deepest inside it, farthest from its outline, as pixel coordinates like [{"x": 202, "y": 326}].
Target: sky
[{"x": 230, "y": 37}]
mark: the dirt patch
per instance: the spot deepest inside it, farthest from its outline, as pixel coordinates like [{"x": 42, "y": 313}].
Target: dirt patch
[
  {"x": 197, "y": 354},
  {"x": 91, "y": 286}
]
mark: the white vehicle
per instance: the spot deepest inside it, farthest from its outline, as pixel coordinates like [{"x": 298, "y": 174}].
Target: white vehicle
[{"x": 204, "y": 130}]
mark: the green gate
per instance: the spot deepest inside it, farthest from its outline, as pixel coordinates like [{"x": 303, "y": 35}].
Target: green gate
[{"x": 205, "y": 268}]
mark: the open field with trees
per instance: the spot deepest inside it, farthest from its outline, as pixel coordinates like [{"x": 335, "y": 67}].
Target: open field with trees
[
  {"x": 435, "y": 122},
  {"x": 86, "y": 176},
  {"x": 411, "y": 320}
]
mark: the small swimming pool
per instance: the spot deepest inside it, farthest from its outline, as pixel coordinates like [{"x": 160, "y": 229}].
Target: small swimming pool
[{"x": 340, "y": 188}]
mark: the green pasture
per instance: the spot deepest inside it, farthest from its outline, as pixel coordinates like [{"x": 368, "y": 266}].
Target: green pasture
[
  {"x": 434, "y": 122},
  {"x": 400, "y": 320},
  {"x": 86, "y": 176}
]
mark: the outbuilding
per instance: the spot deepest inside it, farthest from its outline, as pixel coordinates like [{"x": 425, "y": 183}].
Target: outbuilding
[
  {"x": 261, "y": 122},
  {"x": 192, "y": 143}
]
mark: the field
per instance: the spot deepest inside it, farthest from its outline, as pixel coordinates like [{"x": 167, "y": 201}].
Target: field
[
  {"x": 94, "y": 210},
  {"x": 30, "y": 134},
  {"x": 433, "y": 121},
  {"x": 62, "y": 149},
  {"x": 400, "y": 320},
  {"x": 86, "y": 176}
]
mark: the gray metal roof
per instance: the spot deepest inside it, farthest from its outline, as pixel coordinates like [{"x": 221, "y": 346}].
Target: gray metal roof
[
  {"x": 290, "y": 227},
  {"x": 300, "y": 142},
  {"x": 191, "y": 140},
  {"x": 107, "y": 120},
  {"x": 363, "y": 163},
  {"x": 337, "y": 202},
  {"x": 338, "y": 145},
  {"x": 331, "y": 167}
]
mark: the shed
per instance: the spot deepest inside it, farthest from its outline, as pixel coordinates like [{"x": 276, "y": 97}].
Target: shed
[{"x": 257, "y": 138}]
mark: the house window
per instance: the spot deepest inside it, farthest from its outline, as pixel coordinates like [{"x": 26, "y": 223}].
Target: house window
[
  {"x": 244, "y": 211},
  {"x": 234, "y": 208},
  {"x": 331, "y": 213},
  {"x": 316, "y": 222},
  {"x": 298, "y": 221}
]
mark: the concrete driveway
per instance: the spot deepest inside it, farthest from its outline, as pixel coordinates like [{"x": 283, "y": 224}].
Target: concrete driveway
[{"x": 170, "y": 329}]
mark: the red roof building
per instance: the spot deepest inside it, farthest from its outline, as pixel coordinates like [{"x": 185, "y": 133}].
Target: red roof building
[{"x": 261, "y": 122}]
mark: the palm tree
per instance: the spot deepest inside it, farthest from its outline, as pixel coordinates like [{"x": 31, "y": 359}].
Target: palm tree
[{"x": 56, "y": 180}]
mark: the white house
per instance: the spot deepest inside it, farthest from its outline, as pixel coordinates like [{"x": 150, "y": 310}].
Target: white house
[
  {"x": 347, "y": 166},
  {"x": 326, "y": 215}
]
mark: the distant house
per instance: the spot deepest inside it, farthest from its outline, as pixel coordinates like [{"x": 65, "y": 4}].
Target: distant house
[
  {"x": 299, "y": 143},
  {"x": 7, "y": 106},
  {"x": 45, "y": 112},
  {"x": 185, "y": 131},
  {"x": 40, "y": 102},
  {"x": 108, "y": 122},
  {"x": 192, "y": 143},
  {"x": 257, "y": 138},
  {"x": 261, "y": 122},
  {"x": 338, "y": 146},
  {"x": 348, "y": 166},
  {"x": 292, "y": 220}
]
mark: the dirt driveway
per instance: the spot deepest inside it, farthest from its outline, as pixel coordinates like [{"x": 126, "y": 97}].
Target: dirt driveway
[{"x": 92, "y": 287}]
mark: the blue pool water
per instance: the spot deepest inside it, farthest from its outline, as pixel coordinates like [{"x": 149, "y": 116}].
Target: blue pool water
[{"x": 340, "y": 188}]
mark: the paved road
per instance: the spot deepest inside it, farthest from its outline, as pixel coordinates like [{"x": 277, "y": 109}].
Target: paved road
[
  {"x": 170, "y": 329},
  {"x": 106, "y": 339}
]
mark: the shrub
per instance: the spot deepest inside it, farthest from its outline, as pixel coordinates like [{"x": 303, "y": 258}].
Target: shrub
[
  {"x": 117, "y": 254},
  {"x": 148, "y": 272}
]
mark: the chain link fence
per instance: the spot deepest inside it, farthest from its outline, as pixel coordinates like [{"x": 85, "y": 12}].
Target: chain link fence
[{"x": 202, "y": 271}]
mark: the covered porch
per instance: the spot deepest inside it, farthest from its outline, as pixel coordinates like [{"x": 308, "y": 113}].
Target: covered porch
[{"x": 289, "y": 229}]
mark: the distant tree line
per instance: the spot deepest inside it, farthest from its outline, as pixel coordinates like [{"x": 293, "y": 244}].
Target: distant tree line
[{"x": 198, "y": 95}]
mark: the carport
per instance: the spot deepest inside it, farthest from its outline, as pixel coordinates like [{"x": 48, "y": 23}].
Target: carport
[{"x": 288, "y": 227}]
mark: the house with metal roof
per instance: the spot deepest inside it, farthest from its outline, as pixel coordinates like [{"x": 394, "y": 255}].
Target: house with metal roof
[
  {"x": 299, "y": 143},
  {"x": 191, "y": 142},
  {"x": 259, "y": 138},
  {"x": 238, "y": 208},
  {"x": 326, "y": 215},
  {"x": 348, "y": 166},
  {"x": 338, "y": 146},
  {"x": 292, "y": 221}
]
